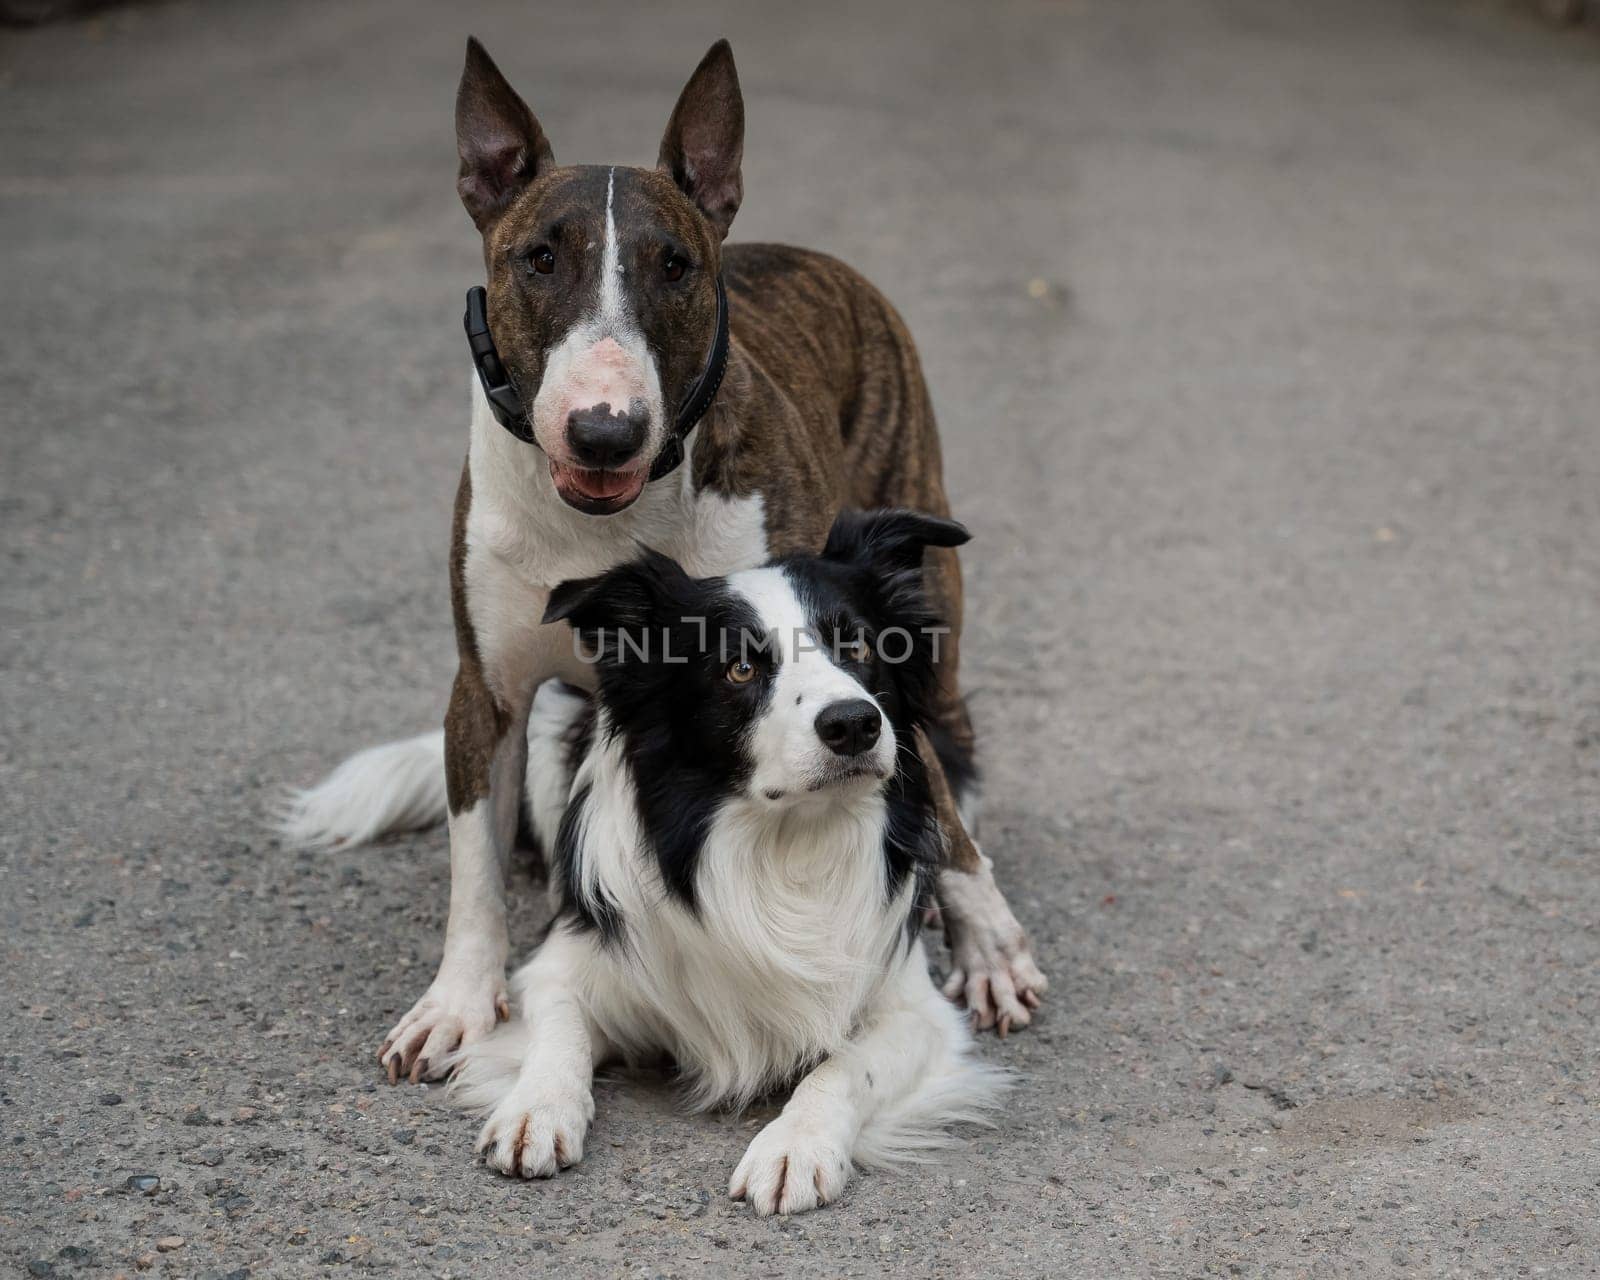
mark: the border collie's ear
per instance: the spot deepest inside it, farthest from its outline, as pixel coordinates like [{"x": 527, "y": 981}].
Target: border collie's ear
[
  {"x": 501, "y": 145},
  {"x": 890, "y": 540},
  {"x": 625, "y": 597},
  {"x": 703, "y": 147}
]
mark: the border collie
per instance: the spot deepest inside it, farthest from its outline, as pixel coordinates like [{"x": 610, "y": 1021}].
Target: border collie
[{"x": 742, "y": 841}]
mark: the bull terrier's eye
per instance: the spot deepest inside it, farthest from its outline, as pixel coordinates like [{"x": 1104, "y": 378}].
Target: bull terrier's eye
[
  {"x": 542, "y": 260},
  {"x": 673, "y": 266},
  {"x": 740, "y": 672}
]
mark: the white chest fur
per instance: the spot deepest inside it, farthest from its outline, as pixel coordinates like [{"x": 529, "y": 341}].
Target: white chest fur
[{"x": 793, "y": 938}]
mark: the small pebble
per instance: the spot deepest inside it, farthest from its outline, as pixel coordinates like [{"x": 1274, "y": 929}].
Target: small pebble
[
  {"x": 144, "y": 1183},
  {"x": 169, "y": 1243},
  {"x": 110, "y": 1099}
]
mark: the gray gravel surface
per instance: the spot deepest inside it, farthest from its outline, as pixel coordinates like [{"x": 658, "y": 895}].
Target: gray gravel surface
[{"x": 1264, "y": 337}]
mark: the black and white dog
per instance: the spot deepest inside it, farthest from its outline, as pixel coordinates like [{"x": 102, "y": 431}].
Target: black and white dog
[{"x": 742, "y": 840}]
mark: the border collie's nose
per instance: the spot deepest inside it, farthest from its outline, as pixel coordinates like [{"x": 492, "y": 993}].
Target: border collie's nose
[
  {"x": 603, "y": 440},
  {"x": 849, "y": 727}
]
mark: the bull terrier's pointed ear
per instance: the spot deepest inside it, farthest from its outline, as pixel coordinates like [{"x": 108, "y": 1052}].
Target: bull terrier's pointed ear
[
  {"x": 501, "y": 145},
  {"x": 703, "y": 146}
]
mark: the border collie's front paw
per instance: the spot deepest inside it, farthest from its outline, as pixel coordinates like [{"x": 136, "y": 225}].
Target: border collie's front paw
[
  {"x": 456, "y": 1010},
  {"x": 991, "y": 966},
  {"x": 537, "y": 1133},
  {"x": 791, "y": 1166}
]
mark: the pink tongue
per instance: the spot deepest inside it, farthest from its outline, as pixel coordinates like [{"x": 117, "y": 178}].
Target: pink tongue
[{"x": 596, "y": 484}]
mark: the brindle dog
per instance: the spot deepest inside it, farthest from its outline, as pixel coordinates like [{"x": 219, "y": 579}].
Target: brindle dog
[{"x": 602, "y": 301}]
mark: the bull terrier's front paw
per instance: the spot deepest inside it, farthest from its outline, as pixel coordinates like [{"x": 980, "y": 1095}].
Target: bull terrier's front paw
[
  {"x": 793, "y": 1165},
  {"x": 456, "y": 1010},
  {"x": 991, "y": 965},
  {"x": 537, "y": 1132}
]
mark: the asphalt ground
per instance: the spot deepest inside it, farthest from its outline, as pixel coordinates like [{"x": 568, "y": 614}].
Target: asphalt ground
[{"x": 1264, "y": 339}]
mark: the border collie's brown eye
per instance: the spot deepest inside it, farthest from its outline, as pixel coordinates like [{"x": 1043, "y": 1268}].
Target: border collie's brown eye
[
  {"x": 857, "y": 650},
  {"x": 542, "y": 260},
  {"x": 740, "y": 672},
  {"x": 673, "y": 267}
]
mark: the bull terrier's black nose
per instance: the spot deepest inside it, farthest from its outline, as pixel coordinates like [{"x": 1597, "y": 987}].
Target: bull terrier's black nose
[
  {"x": 604, "y": 440},
  {"x": 849, "y": 727}
]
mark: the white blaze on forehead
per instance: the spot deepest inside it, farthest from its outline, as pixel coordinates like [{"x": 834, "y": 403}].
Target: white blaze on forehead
[
  {"x": 614, "y": 317},
  {"x": 772, "y": 596}
]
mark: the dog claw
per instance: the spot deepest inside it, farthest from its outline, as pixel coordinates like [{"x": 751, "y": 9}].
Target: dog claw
[
  {"x": 449, "y": 1015},
  {"x": 537, "y": 1135},
  {"x": 790, "y": 1167},
  {"x": 1004, "y": 1025}
]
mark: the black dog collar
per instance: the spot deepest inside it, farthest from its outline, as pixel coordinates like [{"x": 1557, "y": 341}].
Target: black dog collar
[{"x": 510, "y": 413}]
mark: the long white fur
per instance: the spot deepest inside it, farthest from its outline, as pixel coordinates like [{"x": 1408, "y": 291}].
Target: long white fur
[
  {"x": 398, "y": 786},
  {"x": 797, "y": 959}
]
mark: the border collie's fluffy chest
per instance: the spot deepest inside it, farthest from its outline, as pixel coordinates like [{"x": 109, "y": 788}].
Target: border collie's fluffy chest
[{"x": 792, "y": 932}]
